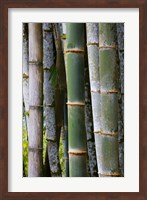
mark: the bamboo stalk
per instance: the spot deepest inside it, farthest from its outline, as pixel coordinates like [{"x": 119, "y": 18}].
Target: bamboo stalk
[
  {"x": 92, "y": 48},
  {"x": 75, "y": 89},
  {"x": 25, "y": 67},
  {"x": 107, "y": 137},
  {"x": 49, "y": 101},
  {"x": 35, "y": 161},
  {"x": 65, "y": 126},
  {"x": 120, "y": 36}
]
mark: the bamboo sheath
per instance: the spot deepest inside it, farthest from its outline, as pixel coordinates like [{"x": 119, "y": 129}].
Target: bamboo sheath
[
  {"x": 35, "y": 162},
  {"x": 107, "y": 137},
  {"x": 74, "y": 55}
]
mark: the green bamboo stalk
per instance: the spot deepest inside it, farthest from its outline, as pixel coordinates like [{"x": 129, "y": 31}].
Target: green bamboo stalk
[
  {"x": 75, "y": 90},
  {"x": 93, "y": 63},
  {"x": 49, "y": 100},
  {"x": 107, "y": 137},
  {"x": 120, "y": 39},
  {"x": 35, "y": 160}
]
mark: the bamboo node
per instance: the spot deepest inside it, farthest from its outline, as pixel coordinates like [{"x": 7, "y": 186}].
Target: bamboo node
[
  {"x": 77, "y": 152},
  {"x": 109, "y": 91},
  {"x": 46, "y": 69},
  {"x": 36, "y": 63},
  {"x": 48, "y": 30},
  {"x": 36, "y": 107},
  {"x": 53, "y": 140},
  {"x": 75, "y": 103},
  {"x": 74, "y": 50},
  {"x": 93, "y": 44},
  {"x": 35, "y": 149},
  {"x": 111, "y": 134},
  {"x": 108, "y": 47},
  {"x": 112, "y": 174},
  {"x": 49, "y": 105},
  {"x": 95, "y": 91}
]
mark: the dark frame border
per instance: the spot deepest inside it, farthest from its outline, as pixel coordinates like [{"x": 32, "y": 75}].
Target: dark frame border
[{"x": 4, "y": 6}]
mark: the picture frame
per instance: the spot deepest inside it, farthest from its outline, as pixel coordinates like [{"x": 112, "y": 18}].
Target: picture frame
[{"x": 5, "y": 5}]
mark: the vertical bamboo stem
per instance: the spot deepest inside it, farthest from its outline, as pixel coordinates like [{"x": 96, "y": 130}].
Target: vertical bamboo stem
[
  {"x": 25, "y": 67},
  {"x": 107, "y": 137},
  {"x": 120, "y": 36},
  {"x": 93, "y": 63},
  {"x": 49, "y": 100},
  {"x": 35, "y": 162},
  {"x": 75, "y": 90}
]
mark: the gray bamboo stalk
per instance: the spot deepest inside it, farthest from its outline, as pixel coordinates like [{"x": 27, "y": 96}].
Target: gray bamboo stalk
[
  {"x": 25, "y": 67},
  {"x": 49, "y": 101},
  {"x": 107, "y": 137},
  {"x": 76, "y": 101},
  {"x": 93, "y": 63},
  {"x": 120, "y": 39},
  {"x": 35, "y": 159}
]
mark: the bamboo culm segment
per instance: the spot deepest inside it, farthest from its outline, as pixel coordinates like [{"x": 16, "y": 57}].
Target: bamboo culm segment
[
  {"x": 120, "y": 39},
  {"x": 108, "y": 145},
  {"x": 92, "y": 56},
  {"x": 25, "y": 66},
  {"x": 49, "y": 101},
  {"x": 75, "y": 89},
  {"x": 35, "y": 160},
  {"x": 93, "y": 63}
]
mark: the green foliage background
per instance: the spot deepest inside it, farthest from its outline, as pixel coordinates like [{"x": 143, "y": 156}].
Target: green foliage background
[{"x": 25, "y": 152}]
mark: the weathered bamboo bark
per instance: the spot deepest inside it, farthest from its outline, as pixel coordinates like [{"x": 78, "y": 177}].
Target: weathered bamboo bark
[
  {"x": 93, "y": 63},
  {"x": 49, "y": 100},
  {"x": 35, "y": 160},
  {"x": 107, "y": 137},
  {"x": 25, "y": 67},
  {"x": 120, "y": 37},
  {"x": 75, "y": 90}
]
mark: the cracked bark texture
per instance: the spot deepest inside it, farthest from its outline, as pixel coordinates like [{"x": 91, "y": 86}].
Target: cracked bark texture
[
  {"x": 120, "y": 41},
  {"x": 49, "y": 101}
]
